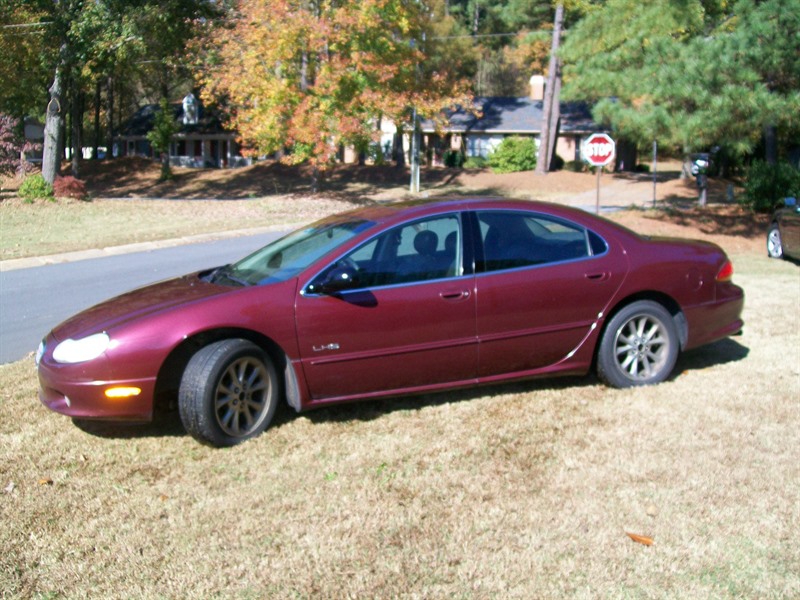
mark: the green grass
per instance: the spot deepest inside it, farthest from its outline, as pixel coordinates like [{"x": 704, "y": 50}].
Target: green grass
[{"x": 518, "y": 491}]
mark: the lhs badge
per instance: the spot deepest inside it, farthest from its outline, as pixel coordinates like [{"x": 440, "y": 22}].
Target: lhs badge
[{"x": 333, "y": 346}]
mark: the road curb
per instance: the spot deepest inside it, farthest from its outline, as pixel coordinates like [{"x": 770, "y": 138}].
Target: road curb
[{"x": 66, "y": 257}]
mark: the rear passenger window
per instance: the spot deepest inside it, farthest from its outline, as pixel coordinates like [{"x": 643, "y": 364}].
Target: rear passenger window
[
  {"x": 597, "y": 244},
  {"x": 513, "y": 239}
]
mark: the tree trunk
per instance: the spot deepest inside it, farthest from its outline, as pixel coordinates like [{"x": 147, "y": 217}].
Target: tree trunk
[
  {"x": 554, "y": 122},
  {"x": 166, "y": 168},
  {"x": 110, "y": 121},
  {"x": 315, "y": 177},
  {"x": 771, "y": 144},
  {"x": 304, "y": 72},
  {"x": 627, "y": 156},
  {"x": 77, "y": 131},
  {"x": 397, "y": 150},
  {"x": 96, "y": 143},
  {"x": 551, "y": 99},
  {"x": 54, "y": 123}
]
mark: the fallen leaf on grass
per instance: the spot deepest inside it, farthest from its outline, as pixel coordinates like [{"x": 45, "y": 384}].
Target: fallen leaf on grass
[
  {"x": 640, "y": 539},
  {"x": 45, "y": 481}
]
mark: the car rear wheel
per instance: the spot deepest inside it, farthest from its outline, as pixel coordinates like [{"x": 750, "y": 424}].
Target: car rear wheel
[
  {"x": 639, "y": 346},
  {"x": 228, "y": 393},
  {"x": 774, "y": 245}
]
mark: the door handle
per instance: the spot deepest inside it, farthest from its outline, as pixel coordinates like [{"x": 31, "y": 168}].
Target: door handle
[
  {"x": 604, "y": 276},
  {"x": 455, "y": 295}
]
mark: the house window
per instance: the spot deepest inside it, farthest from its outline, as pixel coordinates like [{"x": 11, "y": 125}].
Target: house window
[{"x": 482, "y": 145}]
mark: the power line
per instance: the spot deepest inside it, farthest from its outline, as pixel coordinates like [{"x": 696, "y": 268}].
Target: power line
[
  {"x": 490, "y": 35},
  {"x": 21, "y": 25}
]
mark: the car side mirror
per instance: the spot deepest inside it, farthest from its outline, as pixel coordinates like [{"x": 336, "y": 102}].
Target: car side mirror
[{"x": 337, "y": 280}]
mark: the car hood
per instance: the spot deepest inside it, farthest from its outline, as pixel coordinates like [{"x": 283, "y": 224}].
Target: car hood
[{"x": 137, "y": 304}]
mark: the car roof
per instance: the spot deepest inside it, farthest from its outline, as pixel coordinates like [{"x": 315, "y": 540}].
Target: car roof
[
  {"x": 408, "y": 209},
  {"x": 391, "y": 212}
]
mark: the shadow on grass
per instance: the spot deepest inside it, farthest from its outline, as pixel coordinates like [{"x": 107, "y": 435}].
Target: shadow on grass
[
  {"x": 168, "y": 423},
  {"x": 138, "y": 177},
  {"x": 376, "y": 409},
  {"x": 719, "y": 353},
  {"x": 164, "y": 424}
]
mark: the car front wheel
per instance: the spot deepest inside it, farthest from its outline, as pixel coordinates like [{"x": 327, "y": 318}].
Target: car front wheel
[
  {"x": 638, "y": 347},
  {"x": 228, "y": 393},
  {"x": 774, "y": 245}
]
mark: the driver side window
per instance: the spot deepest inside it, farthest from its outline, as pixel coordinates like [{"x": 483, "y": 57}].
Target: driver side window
[{"x": 421, "y": 251}]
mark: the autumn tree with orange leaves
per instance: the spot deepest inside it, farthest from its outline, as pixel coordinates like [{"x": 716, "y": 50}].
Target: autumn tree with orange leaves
[{"x": 313, "y": 75}]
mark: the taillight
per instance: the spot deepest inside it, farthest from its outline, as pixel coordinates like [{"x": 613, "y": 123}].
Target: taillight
[{"x": 725, "y": 272}]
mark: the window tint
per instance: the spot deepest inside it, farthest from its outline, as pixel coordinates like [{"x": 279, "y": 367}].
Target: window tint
[
  {"x": 512, "y": 239},
  {"x": 420, "y": 251}
]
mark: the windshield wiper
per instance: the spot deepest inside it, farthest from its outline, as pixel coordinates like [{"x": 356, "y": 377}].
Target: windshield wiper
[{"x": 224, "y": 273}]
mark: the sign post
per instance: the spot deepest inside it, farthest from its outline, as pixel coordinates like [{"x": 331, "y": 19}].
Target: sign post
[{"x": 598, "y": 150}]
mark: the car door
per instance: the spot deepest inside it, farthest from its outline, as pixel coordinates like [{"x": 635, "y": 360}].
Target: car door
[
  {"x": 408, "y": 322},
  {"x": 541, "y": 283},
  {"x": 790, "y": 226}
]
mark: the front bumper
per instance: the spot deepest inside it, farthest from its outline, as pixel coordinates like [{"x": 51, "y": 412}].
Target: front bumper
[{"x": 70, "y": 390}]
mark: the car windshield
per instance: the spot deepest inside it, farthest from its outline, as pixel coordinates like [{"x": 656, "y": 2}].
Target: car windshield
[{"x": 288, "y": 256}]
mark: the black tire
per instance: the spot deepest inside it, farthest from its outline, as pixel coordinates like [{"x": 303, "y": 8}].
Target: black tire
[
  {"x": 639, "y": 346},
  {"x": 774, "y": 244},
  {"x": 228, "y": 393}
]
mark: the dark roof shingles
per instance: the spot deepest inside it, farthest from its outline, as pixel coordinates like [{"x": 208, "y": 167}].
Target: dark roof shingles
[{"x": 516, "y": 115}]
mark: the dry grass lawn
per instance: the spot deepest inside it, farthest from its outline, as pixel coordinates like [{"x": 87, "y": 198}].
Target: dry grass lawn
[
  {"x": 55, "y": 227},
  {"x": 521, "y": 491}
]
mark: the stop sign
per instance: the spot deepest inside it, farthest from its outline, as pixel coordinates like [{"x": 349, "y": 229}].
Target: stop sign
[{"x": 598, "y": 149}]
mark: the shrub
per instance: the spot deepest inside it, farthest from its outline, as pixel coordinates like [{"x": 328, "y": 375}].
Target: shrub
[
  {"x": 35, "y": 188},
  {"x": 767, "y": 185},
  {"x": 475, "y": 162},
  {"x": 558, "y": 162},
  {"x": 641, "y": 168},
  {"x": 69, "y": 187},
  {"x": 514, "y": 154},
  {"x": 453, "y": 159},
  {"x": 576, "y": 166}
]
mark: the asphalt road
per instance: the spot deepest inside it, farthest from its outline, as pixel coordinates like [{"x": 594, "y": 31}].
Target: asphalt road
[{"x": 34, "y": 300}]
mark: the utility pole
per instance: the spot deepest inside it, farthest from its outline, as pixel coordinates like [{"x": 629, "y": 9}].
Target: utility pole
[
  {"x": 551, "y": 106},
  {"x": 414, "y": 187},
  {"x": 415, "y": 142}
]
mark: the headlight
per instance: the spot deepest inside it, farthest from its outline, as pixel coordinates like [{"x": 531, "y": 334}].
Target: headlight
[{"x": 77, "y": 351}]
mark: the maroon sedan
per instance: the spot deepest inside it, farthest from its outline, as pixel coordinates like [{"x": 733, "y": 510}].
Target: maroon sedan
[{"x": 393, "y": 300}]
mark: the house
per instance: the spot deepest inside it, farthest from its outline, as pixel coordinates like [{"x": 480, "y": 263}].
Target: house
[
  {"x": 478, "y": 132},
  {"x": 201, "y": 140}
]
